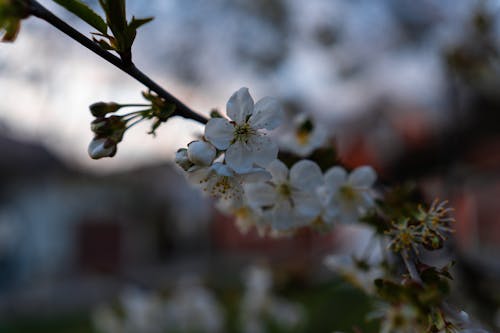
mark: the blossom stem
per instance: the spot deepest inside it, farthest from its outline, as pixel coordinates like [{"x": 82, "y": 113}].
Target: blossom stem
[
  {"x": 36, "y": 9},
  {"x": 410, "y": 266}
]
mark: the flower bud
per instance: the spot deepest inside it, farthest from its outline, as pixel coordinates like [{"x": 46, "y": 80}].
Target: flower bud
[
  {"x": 101, "y": 147},
  {"x": 201, "y": 153},
  {"x": 100, "y": 109},
  {"x": 182, "y": 159},
  {"x": 111, "y": 127}
]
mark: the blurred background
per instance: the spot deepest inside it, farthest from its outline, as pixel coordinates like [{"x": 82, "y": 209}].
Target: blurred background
[{"x": 409, "y": 87}]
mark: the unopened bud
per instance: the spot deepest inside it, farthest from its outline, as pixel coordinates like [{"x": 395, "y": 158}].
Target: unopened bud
[
  {"x": 100, "y": 109},
  {"x": 182, "y": 159},
  {"x": 201, "y": 153},
  {"x": 102, "y": 147}
]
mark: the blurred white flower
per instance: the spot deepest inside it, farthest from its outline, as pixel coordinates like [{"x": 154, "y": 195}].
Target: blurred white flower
[
  {"x": 193, "y": 308},
  {"x": 347, "y": 197},
  {"x": 243, "y": 138},
  {"x": 290, "y": 199},
  {"x": 144, "y": 311},
  {"x": 359, "y": 273},
  {"x": 259, "y": 304},
  {"x": 141, "y": 312},
  {"x": 303, "y": 135}
]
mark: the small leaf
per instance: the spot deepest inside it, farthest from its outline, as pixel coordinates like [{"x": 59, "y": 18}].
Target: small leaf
[
  {"x": 84, "y": 12},
  {"x": 137, "y": 23}
]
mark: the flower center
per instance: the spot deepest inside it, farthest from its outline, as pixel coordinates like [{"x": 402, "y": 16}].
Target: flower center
[
  {"x": 284, "y": 190},
  {"x": 242, "y": 132},
  {"x": 302, "y": 137},
  {"x": 348, "y": 193}
]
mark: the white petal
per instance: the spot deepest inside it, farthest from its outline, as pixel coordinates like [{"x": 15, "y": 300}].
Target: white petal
[
  {"x": 222, "y": 170},
  {"x": 201, "y": 153},
  {"x": 334, "y": 178},
  {"x": 267, "y": 114},
  {"x": 263, "y": 150},
  {"x": 256, "y": 175},
  {"x": 305, "y": 175},
  {"x": 260, "y": 194},
  {"x": 282, "y": 216},
  {"x": 279, "y": 171},
  {"x": 363, "y": 176},
  {"x": 219, "y": 132},
  {"x": 199, "y": 176},
  {"x": 240, "y": 106},
  {"x": 97, "y": 149},
  {"x": 238, "y": 157},
  {"x": 307, "y": 204}
]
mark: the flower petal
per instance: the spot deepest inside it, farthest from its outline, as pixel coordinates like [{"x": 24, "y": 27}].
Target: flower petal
[
  {"x": 240, "y": 106},
  {"x": 305, "y": 175},
  {"x": 307, "y": 205},
  {"x": 238, "y": 157},
  {"x": 267, "y": 114},
  {"x": 260, "y": 194},
  {"x": 363, "y": 176},
  {"x": 263, "y": 150},
  {"x": 222, "y": 170},
  {"x": 219, "y": 132},
  {"x": 283, "y": 215},
  {"x": 199, "y": 177},
  {"x": 334, "y": 178},
  {"x": 201, "y": 153},
  {"x": 256, "y": 175},
  {"x": 279, "y": 171}
]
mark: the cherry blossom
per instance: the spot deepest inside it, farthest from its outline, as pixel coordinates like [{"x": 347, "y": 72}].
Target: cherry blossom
[
  {"x": 244, "y": 138},
  {"x": 347, "y": 196},
  {"x": 303, "y": 135},
  {"x": 289, "y": 199}
]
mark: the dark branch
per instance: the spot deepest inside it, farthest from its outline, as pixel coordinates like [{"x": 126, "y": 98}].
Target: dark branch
[{"x": 182, "y": 110}]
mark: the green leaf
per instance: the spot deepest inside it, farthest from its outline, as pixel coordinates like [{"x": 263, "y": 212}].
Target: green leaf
[
  {"x": 84, "y": 12},
  {"x": 136, "y": 23}
]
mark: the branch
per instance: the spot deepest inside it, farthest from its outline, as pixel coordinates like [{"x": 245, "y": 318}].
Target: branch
[
  {"x": 410, "y": 266},
  {"x": 36, "y": 9}
]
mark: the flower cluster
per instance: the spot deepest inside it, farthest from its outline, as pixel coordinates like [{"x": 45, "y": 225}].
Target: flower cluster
[
  {"x": 429, "y": 228},
  {"x": 236, "y": 163}
]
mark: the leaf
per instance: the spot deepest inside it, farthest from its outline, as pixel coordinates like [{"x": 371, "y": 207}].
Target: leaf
[
  {"x": 137, "y": 23},
  {"x": 84, "y": 12}
]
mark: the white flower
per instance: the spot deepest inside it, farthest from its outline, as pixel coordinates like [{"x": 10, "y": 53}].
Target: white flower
[
  {"x": 201, "y": 153},
  {"x": 289, "y": 199},
  {"x": 243, "y": 138},
  {"x": 99, "y": 148},
  {"x": 361, "y": 275},
  {"x": 259, "y": 304},
  {"x": 346, "y": 197},
  {"x": 303, "y": 135},
  {"x": 193, "y": 308},
  {"x": 221, "y": 182},
  {"x": 143, "y": 311}
]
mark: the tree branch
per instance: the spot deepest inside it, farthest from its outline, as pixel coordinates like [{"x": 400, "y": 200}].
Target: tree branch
[{"x": 36, "y": 9}]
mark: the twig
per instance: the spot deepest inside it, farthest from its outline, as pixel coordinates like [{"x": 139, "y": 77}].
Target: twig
[
  {"x": 36, "y": 9},
  {"x": 410, "y": 266}
]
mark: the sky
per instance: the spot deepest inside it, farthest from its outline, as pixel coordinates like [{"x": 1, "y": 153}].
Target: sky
[{"x": 203, "y": 51}]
